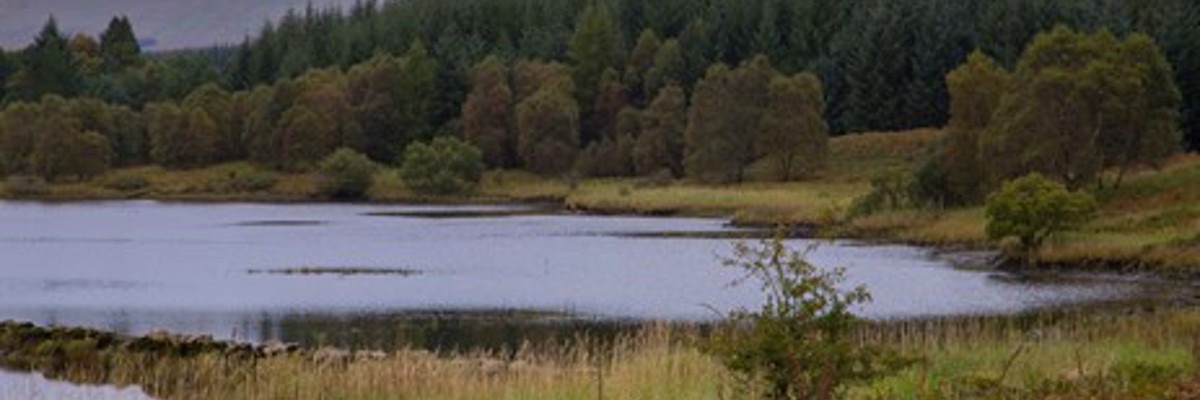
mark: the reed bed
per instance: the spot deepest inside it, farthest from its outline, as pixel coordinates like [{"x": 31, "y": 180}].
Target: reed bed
[{"x": 1059, "y": 354}]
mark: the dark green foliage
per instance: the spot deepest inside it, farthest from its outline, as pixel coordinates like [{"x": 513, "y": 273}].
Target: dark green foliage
[
  {"x": 641, "y": 60},
  {"x": 180, "y": 138},
  {"x": 50, "y": 140},
  {"x": 487, "y": 115},
  {"x": 595, "y": 51},
  {"x": 659, "y": 147},
  {"x": 800, "y": 342},
  {"x": 119, "y": 46},
  {"x": 954, "y": 175},
  {"x": 1081, "y": 103},
  {"x": 47, "y": 67},
  {"x": 594, "y": 47},
  {"x": 669, "y": 67},
  {"x": 725, "y": 121},
  {"x": 794, "y": 137},
  {"x": 602, "y": 120},
  {"x": 8, "y": 67},
  {"x": 445, "y": 166},
  {"x": 393, "y": 100},
  {"x": 1032, "y": 208},
  {"x": 608, "y": 157},
  {"x": 347, "y": 174},
  {"x": 548, "y": 129}
]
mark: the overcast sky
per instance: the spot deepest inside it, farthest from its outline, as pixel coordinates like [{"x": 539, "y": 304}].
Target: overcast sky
[{"x": 171, "y": 24}]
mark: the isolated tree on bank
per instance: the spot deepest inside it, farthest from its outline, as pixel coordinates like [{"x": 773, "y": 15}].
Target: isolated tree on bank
[
  {"x": 548, "y": 127},
  {"x": 1032, "y": 208},
  {"x": 794, "y": 135},
  {"x": 487, "y": 116}
]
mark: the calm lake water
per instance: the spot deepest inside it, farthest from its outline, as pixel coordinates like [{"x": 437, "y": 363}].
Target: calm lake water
[{"x": 138, "y": 265}]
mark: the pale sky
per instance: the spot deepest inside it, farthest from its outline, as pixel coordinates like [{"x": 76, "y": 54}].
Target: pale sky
[{"x": 171, "y": 24}]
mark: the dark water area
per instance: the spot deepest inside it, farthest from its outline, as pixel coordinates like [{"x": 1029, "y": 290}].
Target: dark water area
[{"x": 496, "y": 278}]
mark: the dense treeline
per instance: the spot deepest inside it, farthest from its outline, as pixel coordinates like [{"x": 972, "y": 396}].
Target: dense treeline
[
  {"x": 882, "y": 62},
  {"x": 702, "y": 89}
]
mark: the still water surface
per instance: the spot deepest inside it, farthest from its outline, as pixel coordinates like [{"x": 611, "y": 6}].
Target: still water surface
[{"x": 138, "y": 265}]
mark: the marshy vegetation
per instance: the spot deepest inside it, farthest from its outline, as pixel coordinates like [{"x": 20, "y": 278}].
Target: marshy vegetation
[{"x": 1057, "y": 355}]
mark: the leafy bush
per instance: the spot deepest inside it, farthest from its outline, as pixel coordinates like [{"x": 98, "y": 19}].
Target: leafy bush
[
  {"x": 799, "y": 341},
  {"x": 1032, "y": 208},
  {"x": 444, "y": 166},
  {"x": 347, "y": 174}
]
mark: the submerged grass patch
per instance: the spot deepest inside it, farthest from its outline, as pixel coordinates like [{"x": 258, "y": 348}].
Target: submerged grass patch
[{"x": 339, "y": 271}]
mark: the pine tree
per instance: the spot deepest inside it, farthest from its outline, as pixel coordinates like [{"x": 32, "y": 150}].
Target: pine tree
[
  {"x": 594, "y": 48},
  {"x": 119, "y": 45},
  {"x": 47, "y": 67},
  {"x": 641, "y": 59}
]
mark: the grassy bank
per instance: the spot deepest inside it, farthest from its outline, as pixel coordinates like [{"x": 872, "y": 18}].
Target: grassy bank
[{"x": 1079, "y": 356}]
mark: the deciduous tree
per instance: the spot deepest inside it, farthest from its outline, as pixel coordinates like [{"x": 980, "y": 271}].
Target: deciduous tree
[{"x": 487, "y": 116}]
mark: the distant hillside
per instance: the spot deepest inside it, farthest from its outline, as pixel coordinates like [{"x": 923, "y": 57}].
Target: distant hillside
[{"x": 160, "y": 24}]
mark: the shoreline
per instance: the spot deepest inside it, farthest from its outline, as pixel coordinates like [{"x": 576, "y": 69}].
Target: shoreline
[{"x": 1138, "y": 265}]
